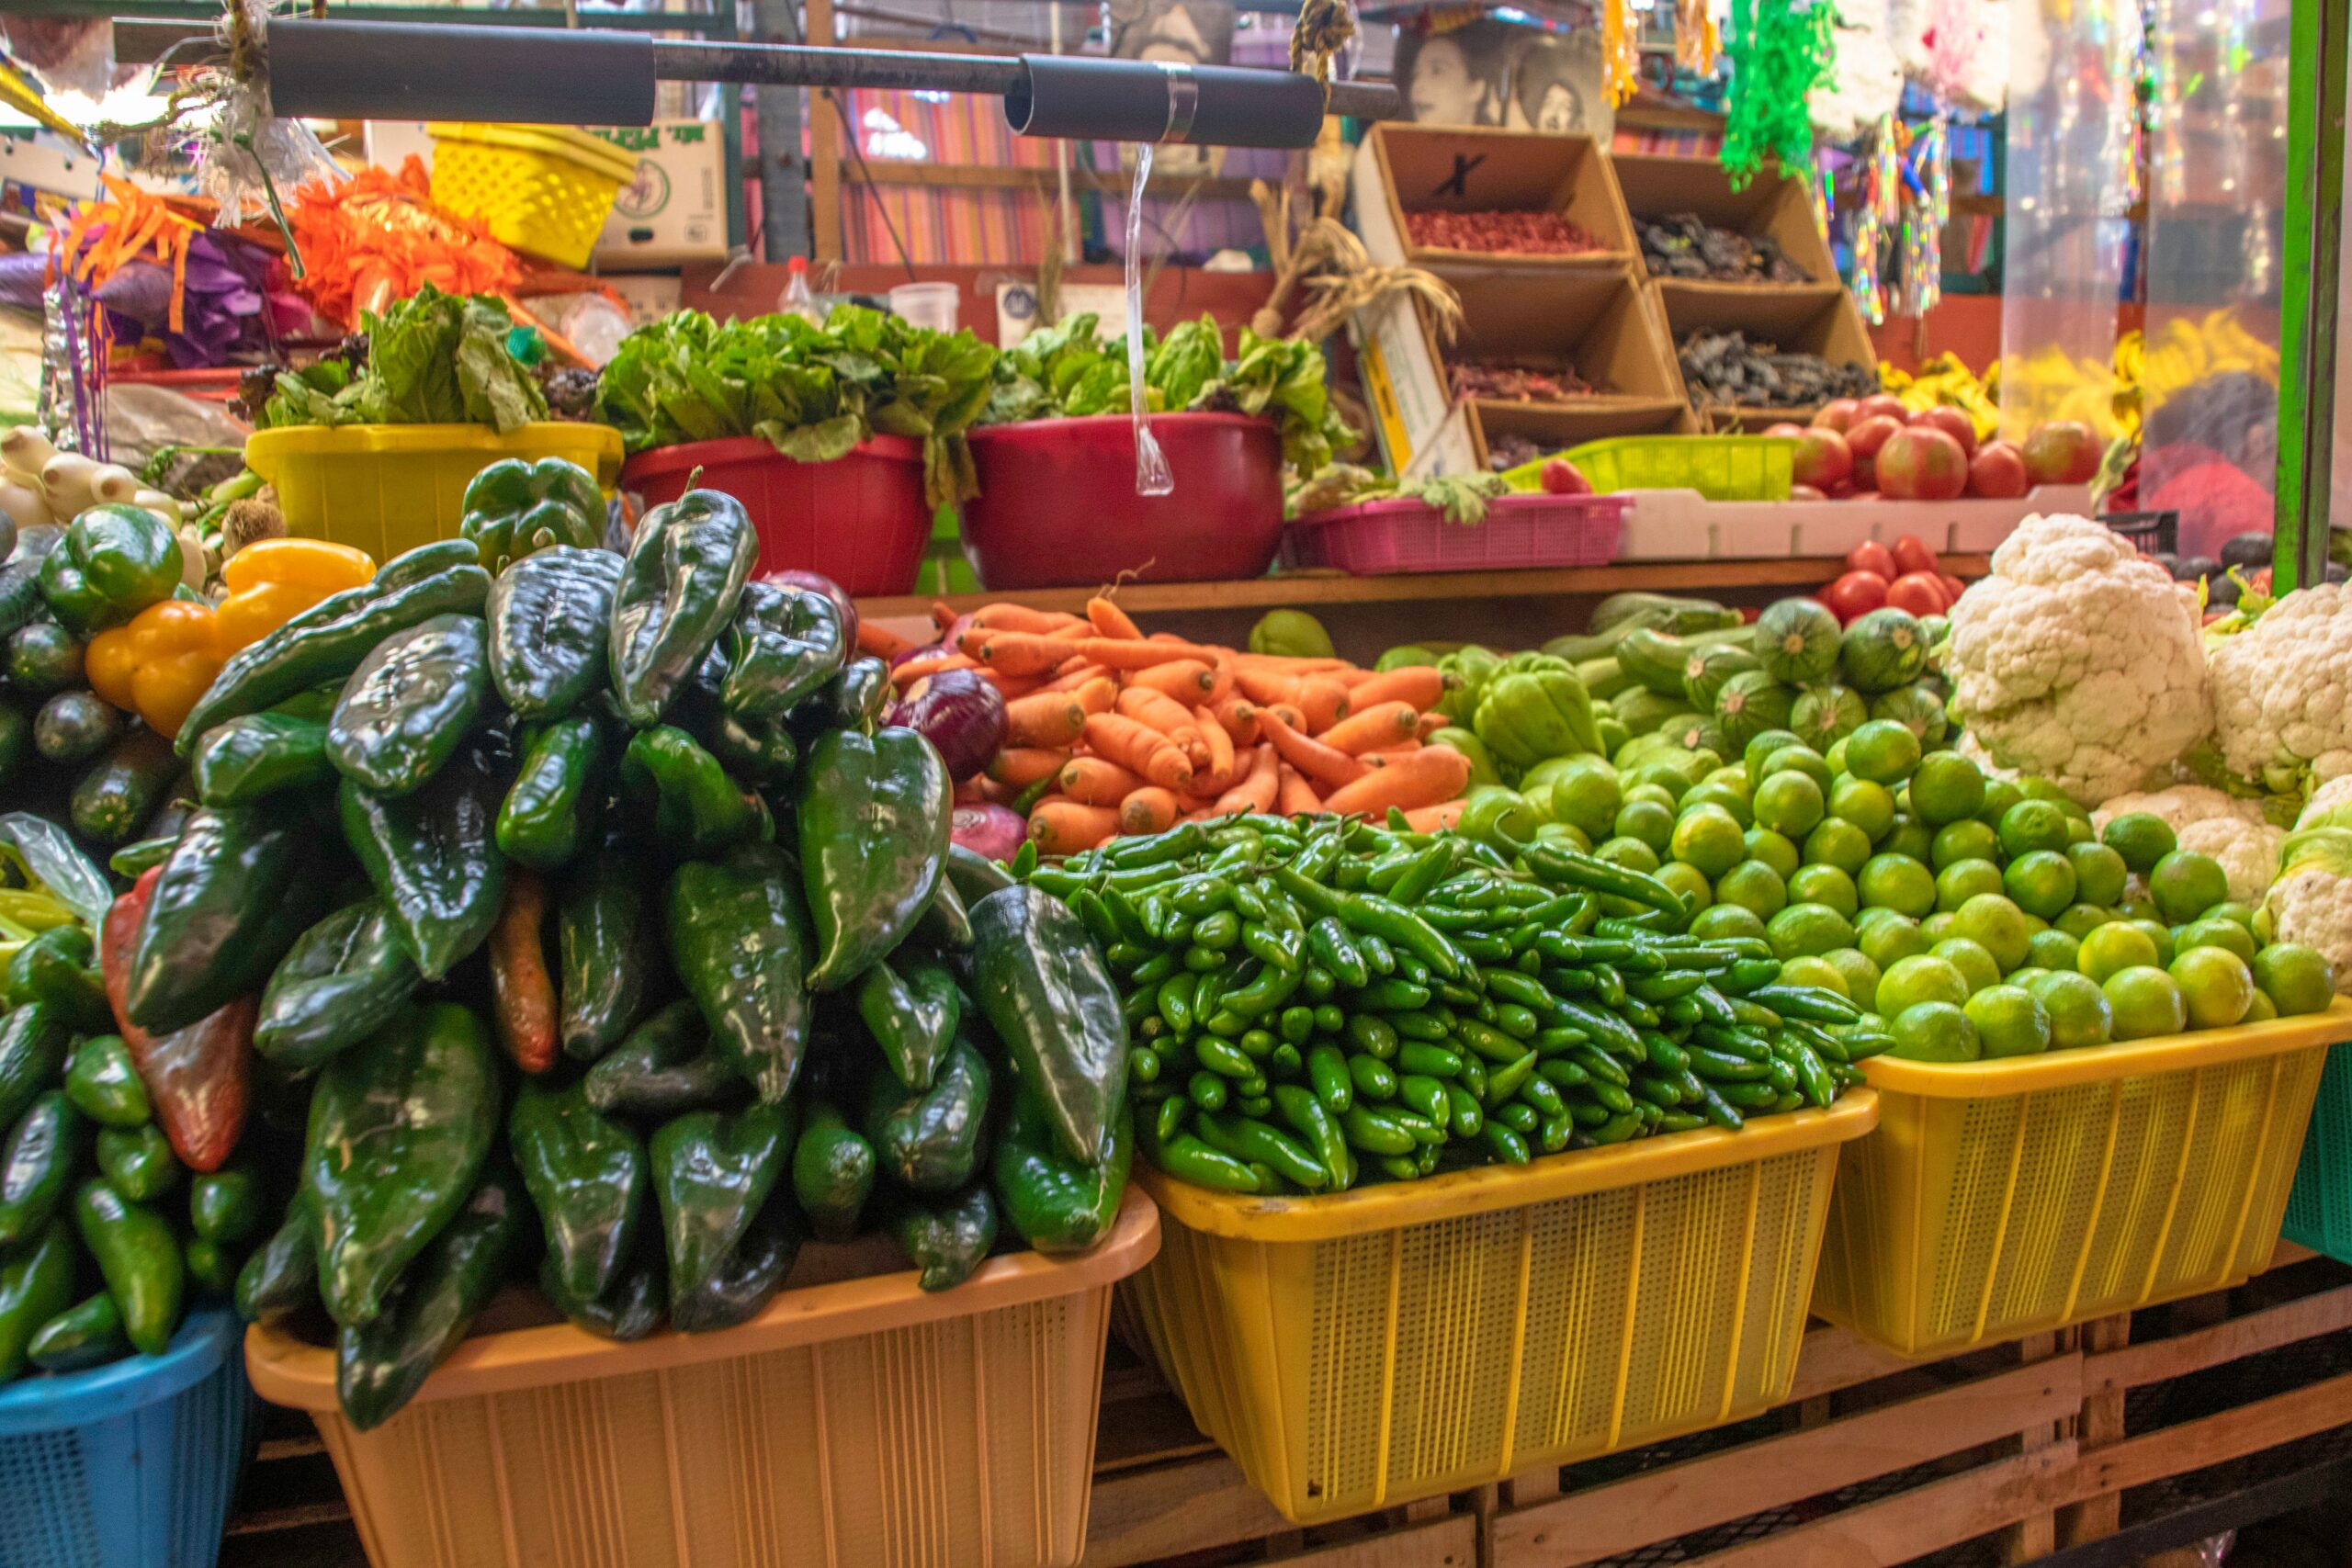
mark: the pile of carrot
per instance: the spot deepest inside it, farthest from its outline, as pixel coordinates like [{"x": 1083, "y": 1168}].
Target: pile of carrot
[{"x": 1109, "y": 731}]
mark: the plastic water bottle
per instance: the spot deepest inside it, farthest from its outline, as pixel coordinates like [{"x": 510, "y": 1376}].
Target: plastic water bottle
[{"x": 797, "y": 301}]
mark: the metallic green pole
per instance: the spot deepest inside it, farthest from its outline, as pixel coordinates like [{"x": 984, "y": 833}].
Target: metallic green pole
[{"x": 2307, "y": 323}]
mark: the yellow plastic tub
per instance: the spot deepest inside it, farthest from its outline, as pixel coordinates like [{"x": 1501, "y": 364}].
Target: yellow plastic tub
[
  {"x": 1998, "y": 1199},
  {"x": 1720, "y": 468},
  {"x": 389, "y": 488},
  {"x": 862, "y": 1424},
  {"x": 1377, "y": 1346},
  {"x": 542, "y": 188}
]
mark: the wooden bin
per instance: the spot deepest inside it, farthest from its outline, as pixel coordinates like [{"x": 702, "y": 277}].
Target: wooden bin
[{"x": 1407, "y": 168}]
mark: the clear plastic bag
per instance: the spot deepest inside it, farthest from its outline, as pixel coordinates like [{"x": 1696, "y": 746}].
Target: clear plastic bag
[{"x": 1152, "y": 477}]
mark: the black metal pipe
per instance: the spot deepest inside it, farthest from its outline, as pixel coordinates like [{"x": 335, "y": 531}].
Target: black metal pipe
[
  {"x": 446, "y": 71},
  {"x": 1132, "y": 100}
]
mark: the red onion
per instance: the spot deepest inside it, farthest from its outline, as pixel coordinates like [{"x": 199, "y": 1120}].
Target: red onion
[
  {"x": 996, "y": 831},
  {"x": 819, "y": 583},
  {"x": 923, "y": 650},
  {"x": 960, "y": 713}
]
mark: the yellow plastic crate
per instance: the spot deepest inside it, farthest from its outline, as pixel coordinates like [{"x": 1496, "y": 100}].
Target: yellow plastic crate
[
  {"x": 1376, "y": 1346},
  {"x": 1720, "y": 468},
  {"x": 542, "y": 188},
  {"x": 860, "y": 1424},
  {"x": 390, "y": 488},
  {"x": 1998, "y": 1199}
]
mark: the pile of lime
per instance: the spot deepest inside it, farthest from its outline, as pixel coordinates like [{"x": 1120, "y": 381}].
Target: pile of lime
[{"x": 1982, "y": 918}]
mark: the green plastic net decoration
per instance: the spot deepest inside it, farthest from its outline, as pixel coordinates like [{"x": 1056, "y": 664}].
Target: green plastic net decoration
[{"x": 1778, "y": 50}]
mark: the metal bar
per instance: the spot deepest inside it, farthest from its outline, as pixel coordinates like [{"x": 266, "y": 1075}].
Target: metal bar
[
  {"x": 2307, "y": 324},
  {"x": 784, "y": 191},
  {"x": 804, "y": 65}
]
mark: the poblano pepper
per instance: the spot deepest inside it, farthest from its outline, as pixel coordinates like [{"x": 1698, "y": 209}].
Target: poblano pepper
[
  {"x": 342, "y": 980},
  {"x": 111, "y": 562},
  {"x": 399, "y": 1129},
  {"x": 697, "y": 809},
  {"x": 607, "y": 949},
  {"x": 196, "y": 1079},
  {"x": 911, "y": 1006},
  {"x": 432, "y": 857},
  {"x": 1054, "y": 1203},
  {"x": 930, "y": 1141},
  {"x": 406, "y": 709},
  {"x": 256, "y": 755},
  {"x": 712, "y": 1173},
  {"x": 683, "y": 578},
  {"x": 665, "y": 1066},
  {"x": 242, "y": 884},
  {"x": 282, "y": 1275},
  {"x": 586, "y": 1176},
  {"x": 380, "y": 1365},
  {"x": 739, "y": 938},
  {"x": 784, "y": 643},
  {"x": 513, "y": 509},
  {"x": 874, "y": 818},
  {"x": 745, "y": 1281},
  {"x": 632, "y": 1309},
  {"x": 139, "y": 1256},
  {"x": 551, "y": 808},
  {"x": 1043, "y": 986},
  {"x": 946, "y": 1240},
  {"x": 550, "y": 619}
]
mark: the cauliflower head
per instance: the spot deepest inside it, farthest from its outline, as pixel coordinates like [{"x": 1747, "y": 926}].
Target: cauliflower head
[
  {"x": 2311, "y": 904},
  {"x": 2283, "y": 692},
  {"x": 2232, "y": 830},
  {"x": 2078, "y": 660}
]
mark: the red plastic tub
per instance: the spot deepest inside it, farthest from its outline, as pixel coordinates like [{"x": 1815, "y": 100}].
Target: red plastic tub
[
  {"x": 1057, "y": 506},
  {"x": 1374, "y": 538},
  {"x": 859, "y": 520}
]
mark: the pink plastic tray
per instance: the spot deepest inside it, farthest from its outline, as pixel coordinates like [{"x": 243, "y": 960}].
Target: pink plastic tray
[{"x": 1373, "y": 538}]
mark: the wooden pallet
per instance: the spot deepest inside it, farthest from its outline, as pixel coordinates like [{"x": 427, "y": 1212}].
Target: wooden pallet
[{"x": 2002, "y": 1455}]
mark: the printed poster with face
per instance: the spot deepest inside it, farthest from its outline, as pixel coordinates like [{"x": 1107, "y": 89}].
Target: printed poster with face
[{"x": 1488, "y": 72}]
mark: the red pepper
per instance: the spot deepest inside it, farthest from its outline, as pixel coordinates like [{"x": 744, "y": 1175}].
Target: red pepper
[
  {"x": 196, "y": 1078},
  {"x": 520, "y": 987}
]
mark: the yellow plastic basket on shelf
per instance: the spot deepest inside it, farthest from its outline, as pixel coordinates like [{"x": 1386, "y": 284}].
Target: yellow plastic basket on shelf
[
  {"x": 1394, "y": 1342},
  {"x": 1998, "y": 1199},
  {"x": 389, "y": 488},
  {"x": 1720, "y": 468},
  {"x": 863, "y": 1423},
  {"x": 542, "y": 188}
]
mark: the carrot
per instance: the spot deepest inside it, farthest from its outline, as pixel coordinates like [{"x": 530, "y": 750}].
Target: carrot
[
  {"x": 1351, "y": 677},
  {"x": 1263, "y": 686},
  {"x": 1098, "y": 695},
  {"x": 1431, "y": 722},
  {"x": 1151, "y": 809},
  {"x": 1014, "y": 653},
  {"x": 1094, "y": 781},
  {"x": 1187, "y": 679},
  {"x": 1021, "y": 766},
  {"x": 913, "y": 670},
  {"x": 943, "y": 614},
  {"x": 1121, "y": 653},
  {"x": 1372, "y": 728},
  {"x": 1220, "y": 745},
  {"x": 1163, "y": 713},
  {"x": 881, "y": 642},
  {"x": 1379, "y": 759},
  {"x": 1237, "y": 717},
  {"x": 1423, "y": 779},
  {"x": 1140, "y": 748},
  {"x": 1434, "y": 818},
  {"x": 1221, "y": 684},
  {"x": 1296, "y": 794},
  {"x": 1043, "y": 718},
  {"x": 1078, "y": 673},
  {"x": 1282, "y": 664},
  {"x": 1288, "y": 713},
  {"x": 1258, "y": 789},
  {"x": 1324, "y": 702},
  {"x": 1419, "y": 684},
  {"x": 1059, "y": 826},
  {"x": 1011, "y": 686},
  {"x": 1109, "y": 620},
  {"x": 1020, "y": 619},
  {"x": 1312, "y": 757}
]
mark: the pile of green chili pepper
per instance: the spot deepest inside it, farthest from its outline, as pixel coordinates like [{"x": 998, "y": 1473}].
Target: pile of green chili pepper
[
  {"x": 582, "y": 925},
  {"x": 1319, "y": 1001}
]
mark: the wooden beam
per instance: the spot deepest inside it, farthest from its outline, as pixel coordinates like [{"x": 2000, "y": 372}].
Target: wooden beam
[
  {"x": 1173, "y": 1509},
  {"x": 1445, "y": 1544},
  {"x": 2267, "y": 1330},
  {"x": 2036, "y": 1534},
  {"x": 824, "y": 150},
  {"x": 1660, "y": 1505},
  {"x": 1914, "y": 1523},
  {"x": 2193, "y": 1445},
  {"x": 2101, "y": 1426},
  {"x": 1020, "y": 176},
  {"x": 1836, "y": 1358}
]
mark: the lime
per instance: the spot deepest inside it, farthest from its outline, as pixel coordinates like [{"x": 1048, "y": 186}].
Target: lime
[
  {"x": 1761, "y": 748},
  {"x": 2113, "y": 947},
  {"x": 2078, "y": 921},
  {"x": 1662, "y": 796},
  {"x": 1923, "y": 977},
  {"x": 1839, "y": 843},
  {"x": 2142, "y": 838},
  {"x": 1888, "y": 942},
  {"x": 2237, "y": 914},
  {"x": 2079, "y": 1014},
  {"x": 1774, "y": 849},
  {"x": 1690, "y": 882},
  {"x": 2098, "y": 872},
  {"x": 1754, "y": 887},
  {"x": 1869, "y": 807},
  {"x": 1807, "y": 930},
  {"x": 1882, "y": 750},
  {"x": 2040, "y": 882},
  {"x": 1648, "y": 822},
  {"x": 2032, "y": 825},
  {"x": 1709, "y": 838},
  {"x": 1909, "y": 837},
  {"x": 2296, "y": 979},
  {"x": 1933, "y": 1031},
  {"x": 2186, "y": 884},
  {"x": 1799, "y": 760},
  {"x": 2160, "y": 936},
  {"x": 1965, "y": 840},
  {"x": 1734, "y": 778},
  {"x": 1966, "y": 879},
  {"x": 2011, "y": 1021},
  {"x": 2263, "y": 1008},
  {"x": 1825, "y": 884},
  {"x": 2147, "y": 1002},
  {"x": 2052, "y": 949},
  {"x": 1859, "y": 973},
  {"x": 2000, "y": 795},
  {"x": 1896, "y": 882},
  {"x": 1661, "y": 774},
  {"x": 1587, "y": 798},
  {"x": 1731, "y": 802},
  {"x": 2137, "y": 907},
  {"x": 2034, "y": 924},
  {"x": 1974, "y": 963},
  {"x": 1625, "y": 852},
  {"x": 1721, "y": 920},
  {"x": 2216, "y": 986},
  {"x": 2078, "y": 832},
  {"x": 1835, "y": 755},
  {"x": 1814, "y": 970},
  {"x": 1565, "y": 837},
  {"x": 1991, "y": 921},
  {"x": 1789, "y": 804},
  {"x": 1946, "y": 787},
  {"x": 2210, "y": 932}
]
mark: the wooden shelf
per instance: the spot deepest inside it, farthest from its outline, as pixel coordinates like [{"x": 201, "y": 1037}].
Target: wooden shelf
[{"x": 1304, "y": 590}]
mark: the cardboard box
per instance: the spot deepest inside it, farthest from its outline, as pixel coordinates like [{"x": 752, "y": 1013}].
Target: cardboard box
[
  {"x": 1815, "y": 318},
  {"x": 1772, "y": 206},
  {"x": 649, "y": 298},
  {"x": 1414, "y": 421},
  {"x": 1404, "y": 168},
  {"x": 674, "y": 209}
]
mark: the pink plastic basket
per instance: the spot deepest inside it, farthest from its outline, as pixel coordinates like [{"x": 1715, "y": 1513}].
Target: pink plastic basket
[{"x": 1373, "y": 538}]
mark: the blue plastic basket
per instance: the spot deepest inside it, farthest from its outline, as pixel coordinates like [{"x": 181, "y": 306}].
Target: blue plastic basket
[
  {"x": 2319, "y": 1210},
  {"x": 130, "y": 1465}
]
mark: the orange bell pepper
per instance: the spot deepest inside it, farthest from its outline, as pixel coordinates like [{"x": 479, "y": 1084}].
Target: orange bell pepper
[
  {"x": 159, "y": 662},
  {"x": 274, "y": 580}
]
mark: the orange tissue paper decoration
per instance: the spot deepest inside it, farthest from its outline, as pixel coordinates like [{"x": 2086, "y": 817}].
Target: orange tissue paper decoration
[{"x": 377, "y": 237}]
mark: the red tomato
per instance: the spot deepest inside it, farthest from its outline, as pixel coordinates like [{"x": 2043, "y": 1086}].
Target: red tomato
[
  {"x": 1872, "y": 555},
  {"x": 1954, "y": 588},
  {"x": 1854, "y": 596},
  {"x": 1911, "y": 554},
  {"x": 1919, "y": 592}
]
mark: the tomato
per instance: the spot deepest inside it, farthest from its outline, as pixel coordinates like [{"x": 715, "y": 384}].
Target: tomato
[
  {"x": 1912, "y": 555},
  {"x": 1854, "y": 596},
  {"x": 1919, "y": 592},
  {"x": 1872, "y": 555},
  {"x": 1953, "y": 587}
]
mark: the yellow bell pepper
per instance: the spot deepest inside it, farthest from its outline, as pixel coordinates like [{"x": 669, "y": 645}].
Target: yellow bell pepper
[
  {"x": 274, "y": 580},
  {"x": 159, "y": 662}
]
